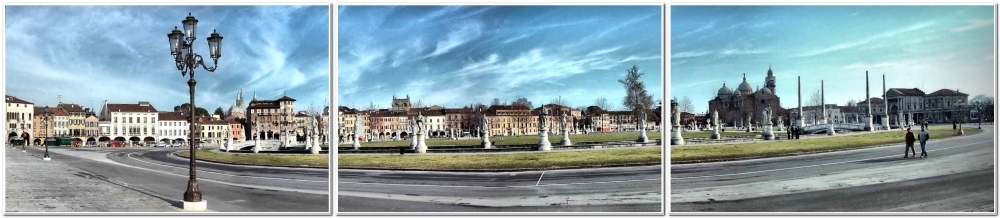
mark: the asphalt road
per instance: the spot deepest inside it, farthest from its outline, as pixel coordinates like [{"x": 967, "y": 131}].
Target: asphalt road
[
  {"x": 622, "y": 189},
  {"x": 227, "y": 188},
  {"x": 958, "y": 175}
]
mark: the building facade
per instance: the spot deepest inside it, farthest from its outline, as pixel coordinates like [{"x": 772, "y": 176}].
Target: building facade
[
  {"x": 735, "y": 106},
  {"x": 20, "y": 118},
  {"x": 172, "y": 127},
  {"x": 269, "y": 119},
  {"x": 134, "y": 124}
]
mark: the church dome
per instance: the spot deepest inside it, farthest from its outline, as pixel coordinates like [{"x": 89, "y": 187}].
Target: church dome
[
  {"x": 766, "y": 90},
  {"x": 724, "y": 90},
  {"x": 745, "y": 86}
]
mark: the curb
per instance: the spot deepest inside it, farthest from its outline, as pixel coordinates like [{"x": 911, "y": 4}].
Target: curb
[{"x": 513, "y": 170}]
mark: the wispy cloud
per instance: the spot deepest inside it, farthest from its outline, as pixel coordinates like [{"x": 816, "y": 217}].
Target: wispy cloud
[
  {"x": 474, "y": 54},
  {"x": 973, "y": 24},
  {"x": 272, "y": 49},
  {"x": 856, "y": 43}
]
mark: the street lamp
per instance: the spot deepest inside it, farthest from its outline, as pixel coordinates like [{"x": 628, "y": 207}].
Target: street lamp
[
  {"x": 48, "y": 118},
  {"x": 979, "y": 115},
  {"x": 186, "y": 61}
]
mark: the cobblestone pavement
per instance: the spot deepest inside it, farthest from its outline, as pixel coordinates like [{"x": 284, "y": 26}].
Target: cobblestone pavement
[{"x": 35, "y": 185}]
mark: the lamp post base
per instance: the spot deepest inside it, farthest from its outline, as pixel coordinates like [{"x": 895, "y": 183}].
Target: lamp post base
[
  {"x": 46, "y": 158},
  {"x": 195, "y": 206}
]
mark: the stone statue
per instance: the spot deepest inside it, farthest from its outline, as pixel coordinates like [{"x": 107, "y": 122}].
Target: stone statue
[
  {"x": 541, "y": 119},
  {"x": 677, "y": 138},
  {"x": 562, "y": 120},
  {"x": 766, "y": 115},
  {"x": 420, "y": 123},
  {"x": 486, "y": 124},
  {"x": 642, "y": 120}
]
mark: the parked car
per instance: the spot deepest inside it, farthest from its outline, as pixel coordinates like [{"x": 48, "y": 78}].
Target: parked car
[{"x": 161, "y": 144}]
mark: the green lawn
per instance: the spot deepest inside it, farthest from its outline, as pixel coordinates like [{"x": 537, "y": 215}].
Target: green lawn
[
  {"x": 304, "y": 160},
  {"x": 706, "y": 134},
  {"x": 515, "y": 140},
  {"x": 507, "y": 162},
  {"x": 706, "y": 153}
]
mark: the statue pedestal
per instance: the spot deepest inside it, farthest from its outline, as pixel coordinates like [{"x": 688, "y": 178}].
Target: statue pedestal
[
  {"x": 315, "y": 146},
  {"x": 413, "y": 142},
  {"x": 543, "y": 140},
  {"x": 677, "y": 139},
  {"x": 421, "y": 147},
  {"x": 357, "y": 144},
  {"x": 767, "y": 133},
  {"x": 642, "y": 136},
  {"x": 830, "y": 130},
  {"x": 486, "y": 141},
  {"x": 256, "y": 146},
  {"x": 715, "y": 133},
  {"x": 565, "y": 138}
]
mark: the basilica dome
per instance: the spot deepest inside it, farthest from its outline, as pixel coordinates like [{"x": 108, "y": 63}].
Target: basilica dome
[
  {"x": 724, "y": 90},
  {"x": 745, "y": 86}
]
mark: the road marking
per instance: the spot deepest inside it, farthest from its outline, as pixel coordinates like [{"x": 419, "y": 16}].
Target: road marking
[
  {"x": 493, "y": 187},
  {"x": 317, "y": 192},
  {"x": 817, "y": 165},
  {"x": 540, "y": 178},
  {"x": 257, "y": 177}
]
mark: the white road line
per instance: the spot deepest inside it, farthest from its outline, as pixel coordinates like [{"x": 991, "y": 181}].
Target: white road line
[
  {"x": 318, "y": 192},
  {"x": 817, "y": 165},
  {"x": 494, "y": 187},
  {"x": 256, "y": 177},
  {"x": 540, "y": 178}
]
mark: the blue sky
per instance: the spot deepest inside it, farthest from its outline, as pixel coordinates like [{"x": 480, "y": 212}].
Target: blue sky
[
  {"x": 120, "y": 54},
  {"x": 926, "y": 47},
  {"x": 454, "y": 56}
]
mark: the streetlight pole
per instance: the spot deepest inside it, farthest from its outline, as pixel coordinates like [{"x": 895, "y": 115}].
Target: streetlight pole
[
  {"x": 47, "y": 120},
  {"x": 186, "y": 61},
  {"x": 979, "y": 115}
]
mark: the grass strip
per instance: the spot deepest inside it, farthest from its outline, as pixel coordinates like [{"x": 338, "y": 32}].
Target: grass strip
[
  {"x": 710, "y": 153},
  {"x": 284, "y": 160},
  {"x": 506, "y": 162},
  {"x": 515, "y": 140}
]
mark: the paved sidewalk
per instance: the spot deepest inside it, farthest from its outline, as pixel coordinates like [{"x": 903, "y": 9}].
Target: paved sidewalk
[{"x": 35, "y": 185}]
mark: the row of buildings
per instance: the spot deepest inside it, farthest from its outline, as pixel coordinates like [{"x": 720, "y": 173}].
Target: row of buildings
[
  {"x": 142, "y": 124},
  {"x": 736, "y": 105},
  {"x": 505, "y": 120}
]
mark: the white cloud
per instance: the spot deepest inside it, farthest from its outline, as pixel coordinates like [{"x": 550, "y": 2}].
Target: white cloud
[
  {"x": 972, "y": 24},
  {"x": 460, "y": 35},
  {"x": 856, "y": 43}
]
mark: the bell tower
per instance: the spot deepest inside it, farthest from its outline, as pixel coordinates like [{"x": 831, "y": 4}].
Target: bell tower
[{"x": 769, "y": 82}]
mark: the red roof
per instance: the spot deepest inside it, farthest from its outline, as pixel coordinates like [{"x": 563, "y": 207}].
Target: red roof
[
  {"x": 131, "y": 108},
  {"x": 71, "y": 108},
  {"x": 874, "y": 100},
  {"x": 910, "y": 92},
  {"x": 285, "y": 98},
  {"x": 12, "y": 99},
  {"x": 947, "y": 92},
  {"x": 172, "y": 116}
]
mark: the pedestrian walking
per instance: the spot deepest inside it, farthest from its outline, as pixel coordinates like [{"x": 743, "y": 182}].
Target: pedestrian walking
[
  {"x": 909, "y": 143},
  {"x": 924, "y": 136}
]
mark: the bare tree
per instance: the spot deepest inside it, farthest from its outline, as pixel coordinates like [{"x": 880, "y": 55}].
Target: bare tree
[
  {"x": 816, "y": 99},
  {"x": 371, "y": 106},
  {"x": 602, "y": 103},
  {"x": 636, "y": 97},
  {"x": 686, "y": 105},
  {"x": 496, "y": 101},
  {"x": 852, "y": 103},
  {"x": 523, "y": 102},
  {"x": 559, "y": 101},
  {"x": 981, "y": 100},
  {"x": 418, "y": 104}
]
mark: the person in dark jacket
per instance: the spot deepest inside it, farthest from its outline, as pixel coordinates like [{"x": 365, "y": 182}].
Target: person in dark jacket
[{"x": 909, "y": 143}]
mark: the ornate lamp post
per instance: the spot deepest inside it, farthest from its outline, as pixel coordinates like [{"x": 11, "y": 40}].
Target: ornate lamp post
[
  {"x": 186, "y": 61},
  {"x": 979, "y": 115},
  {"x": 48, "y": 118}
]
